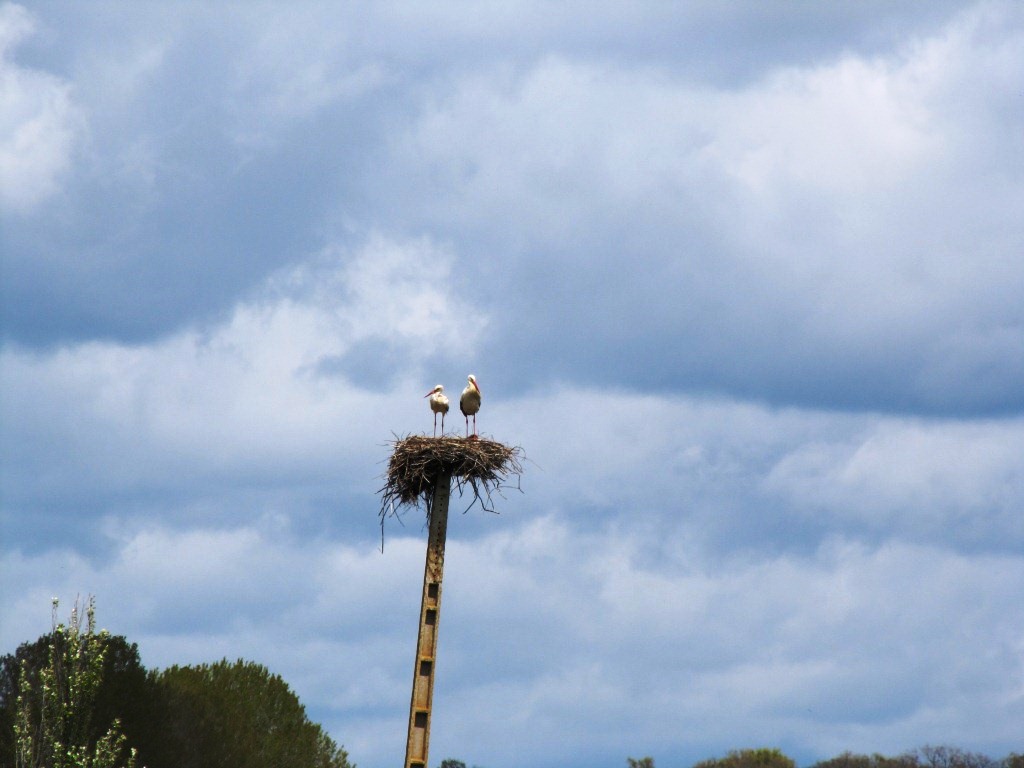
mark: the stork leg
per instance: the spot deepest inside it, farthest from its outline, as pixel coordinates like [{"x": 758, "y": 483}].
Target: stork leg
[
  {"x": 474, "y": 425},
  {"x": 467, "y": 426},
  {"x": 435, "y": 425},
  {"x": 442, "y": 423}
]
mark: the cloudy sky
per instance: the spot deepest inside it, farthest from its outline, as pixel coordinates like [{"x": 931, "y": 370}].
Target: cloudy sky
[{"x": 744, "y": 279}]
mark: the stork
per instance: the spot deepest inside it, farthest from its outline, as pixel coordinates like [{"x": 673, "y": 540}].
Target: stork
[
  {"x": 438, "y": 404},
  {"x": 469, "y": 402}
]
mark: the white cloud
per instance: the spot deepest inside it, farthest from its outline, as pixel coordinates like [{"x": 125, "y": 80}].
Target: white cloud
[
  {"x": 259, "y": 396},
  {"x": 261, "y": 402},
  {"x": 575, "y": 127},
  {"x": 848, "y": 638},
  {"x": 837, "y": 230},
  {"x": 846, "y": 221},
  {"x": 850, "y": 127},
  {"x": 963, "y": 480},
  {"x": 276, "y": 83},
  {"x": 15, "y": 24},
  {"x": 707, "y": 463},
  {"x": 39, "y": 122}
]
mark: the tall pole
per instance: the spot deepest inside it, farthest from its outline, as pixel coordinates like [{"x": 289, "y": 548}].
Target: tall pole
[{"x": 418, "y": 742}]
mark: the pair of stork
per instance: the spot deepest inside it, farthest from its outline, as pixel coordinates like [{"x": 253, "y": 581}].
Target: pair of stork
[{"x": 469, "y": 404}]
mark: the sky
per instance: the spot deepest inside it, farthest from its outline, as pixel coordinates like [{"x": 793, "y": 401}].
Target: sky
[{"x": 744, "y": 280}]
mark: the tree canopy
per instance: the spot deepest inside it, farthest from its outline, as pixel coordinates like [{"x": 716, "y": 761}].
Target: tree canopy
[
  {"x": 226, "y": 714},
  {"x": 235, "y": 714},
  {"x": 58, "y": 697},
  {"x": 749, "y": 758},
  {"x": 924, "y": 757}
]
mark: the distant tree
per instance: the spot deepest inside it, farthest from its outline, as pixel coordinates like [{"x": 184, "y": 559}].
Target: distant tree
[
  {"x": 449, "y": 763},
  {"x": 1012, "y": 760},
  {"x": 924, "y": 757},
  {"x": 643, "y": 762},
  {"x": 50, "y": 715},
  {"x": 850, "y": 760},
  {"x": 846, "y": 760},
  {"x": 951, "y": 757},
  {"x": 234, "y": 716},
  {"x": 749, "y": 758}
]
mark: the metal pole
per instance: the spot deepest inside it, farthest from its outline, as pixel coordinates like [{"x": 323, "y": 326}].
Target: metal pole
[{"x": 418, "y": 742}]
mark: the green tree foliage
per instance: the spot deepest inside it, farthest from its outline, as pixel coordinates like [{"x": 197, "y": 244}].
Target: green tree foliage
[
  {"x": 643, "y": 762},
  {"x": 71, "y": 687},
  {"x": 850, "y": 760},
  {"x": 925, "y": 757},
  {"x": 49, "y": 700},
  {"x": 234, "y": 716},
  {"x": 951, "y": 757},
  {"x": 121, "y": 694},
  {"x": 449, "y": 763},
  {"x": 749, "y": 758}
]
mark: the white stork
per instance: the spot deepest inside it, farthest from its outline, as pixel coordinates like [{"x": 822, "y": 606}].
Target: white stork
[
  {"x": 438, "y": 404},
  {"x": 469, "y": 402}
]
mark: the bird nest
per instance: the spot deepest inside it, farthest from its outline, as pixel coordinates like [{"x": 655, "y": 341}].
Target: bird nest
[{"x": 484, "y": 466}]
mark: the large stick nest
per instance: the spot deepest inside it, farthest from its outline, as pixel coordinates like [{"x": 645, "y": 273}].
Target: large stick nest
[{"x": 416, "y": 463}]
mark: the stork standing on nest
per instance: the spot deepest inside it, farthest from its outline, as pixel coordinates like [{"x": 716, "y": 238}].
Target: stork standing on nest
[
  {"x": 438, "y": 404},
  {"x": 469, "y": 403}
]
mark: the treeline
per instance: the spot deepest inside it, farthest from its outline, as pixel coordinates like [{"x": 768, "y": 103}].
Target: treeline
[
  {"x": 78, "y": 698},
  {"x": 925, "y": 757}
]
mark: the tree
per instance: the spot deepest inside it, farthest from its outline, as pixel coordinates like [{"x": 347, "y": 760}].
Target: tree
[
  {"x": 643, "y": 762},
  {"x": 924, "y": 757},
  {"x": 749, "y": 758},
  {"x": 48, "y": 700},
  {"x": 234, "y": 715},
  {"x": 223, "y": 715},
  {"x": 122, "y": 693},
  {"x": 449, "y": 763},
  {"x": 950, "y": 757},
  {"x": 850, "y": 760}
]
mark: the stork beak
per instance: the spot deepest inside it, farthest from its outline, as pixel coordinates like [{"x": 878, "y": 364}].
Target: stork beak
[
  {"x": 429, "y": 393},
  {"x": 477, "y": 388}
]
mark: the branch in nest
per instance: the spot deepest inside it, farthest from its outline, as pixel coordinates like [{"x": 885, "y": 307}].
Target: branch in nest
[{"x": 417, "y": 462}]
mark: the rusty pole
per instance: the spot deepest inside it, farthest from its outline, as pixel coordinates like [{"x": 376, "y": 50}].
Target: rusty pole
[{"x": 418, "y": 742}]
